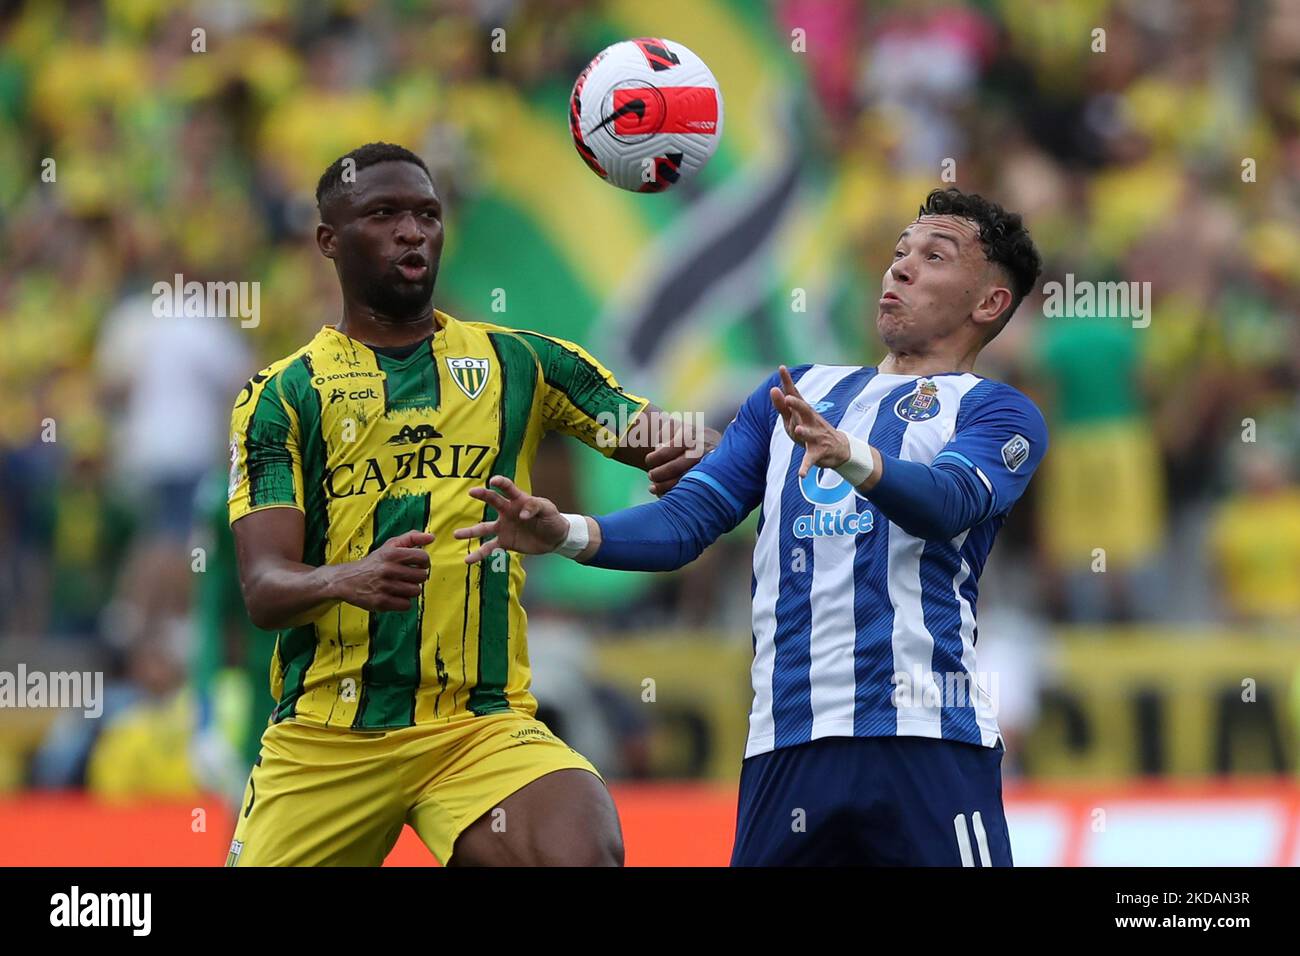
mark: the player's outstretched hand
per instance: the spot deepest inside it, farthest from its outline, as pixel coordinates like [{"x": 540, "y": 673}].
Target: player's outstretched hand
[
  {"x": 677, "y": 455},
  {"x": 825, "y": 446},
  {"x": 388, "y": 578},
  {"x": 524, "y": 523}
]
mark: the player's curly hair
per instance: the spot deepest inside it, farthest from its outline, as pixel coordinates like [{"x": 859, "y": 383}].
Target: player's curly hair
[
  {"x": 1003, "y": 235},
  {"x": 331, "y": 181}
]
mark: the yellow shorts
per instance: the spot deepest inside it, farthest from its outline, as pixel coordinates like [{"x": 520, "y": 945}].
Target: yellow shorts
[{"x": 327, "y": 796}]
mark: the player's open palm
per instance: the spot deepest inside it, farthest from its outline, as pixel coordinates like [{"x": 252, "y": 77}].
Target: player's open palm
[
  {"x": 524, "y": 523},
  {"x": 824, "y": 445}
]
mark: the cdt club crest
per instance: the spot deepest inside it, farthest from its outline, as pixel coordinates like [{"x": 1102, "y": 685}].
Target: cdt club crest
[{"x": 471, "y": 374}]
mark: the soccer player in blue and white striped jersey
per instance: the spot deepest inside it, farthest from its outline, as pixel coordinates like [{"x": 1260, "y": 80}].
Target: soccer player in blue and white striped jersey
[{"x": 872, "y": 737}]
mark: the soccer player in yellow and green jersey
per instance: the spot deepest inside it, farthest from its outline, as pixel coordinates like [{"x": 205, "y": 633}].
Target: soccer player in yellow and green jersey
[{"x": 401, "y": 673}]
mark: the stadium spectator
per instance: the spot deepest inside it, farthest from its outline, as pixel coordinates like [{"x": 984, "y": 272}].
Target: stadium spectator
[{"x": 1255, "y": 540}]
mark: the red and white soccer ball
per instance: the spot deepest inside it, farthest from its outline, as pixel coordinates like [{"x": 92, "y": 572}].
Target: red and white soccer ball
[{"x": 645, "y": 114}]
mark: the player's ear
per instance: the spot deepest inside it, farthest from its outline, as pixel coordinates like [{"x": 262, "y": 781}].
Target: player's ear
[
  {"x": 992, "y": 306},
  {"x": 326, "y": 239}
]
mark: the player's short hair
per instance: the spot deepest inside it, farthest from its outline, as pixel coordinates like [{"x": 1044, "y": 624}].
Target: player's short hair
[
  {"x": 1003, "y": 235},
  {"x": 331, "y": 181}
]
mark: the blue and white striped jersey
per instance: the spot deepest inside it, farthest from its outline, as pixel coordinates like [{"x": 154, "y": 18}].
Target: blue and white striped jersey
[{"x": 861, "y": 629}]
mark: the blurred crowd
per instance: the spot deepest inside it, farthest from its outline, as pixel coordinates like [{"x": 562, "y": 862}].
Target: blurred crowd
[{"x": 1144, "y": 142}]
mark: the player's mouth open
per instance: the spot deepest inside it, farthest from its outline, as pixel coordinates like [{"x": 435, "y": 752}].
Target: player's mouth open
[
  {"x": 412, "y": 266},
  {"x": 889, "y": 297}
]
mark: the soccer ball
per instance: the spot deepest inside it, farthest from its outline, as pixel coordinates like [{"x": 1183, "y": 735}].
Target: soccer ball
[{"x": 645, "y": 113}]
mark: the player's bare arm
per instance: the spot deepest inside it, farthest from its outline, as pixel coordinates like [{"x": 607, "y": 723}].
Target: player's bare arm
[
  {"x": 673, "y": 449},
  {"x": 281, "y": 591},
  {"x": 530, "y": 524}
]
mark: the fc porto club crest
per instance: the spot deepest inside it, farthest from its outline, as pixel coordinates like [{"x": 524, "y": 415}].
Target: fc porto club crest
[
  {"x": 921, "y": 405},
  {"x": 470, "y": 374}
]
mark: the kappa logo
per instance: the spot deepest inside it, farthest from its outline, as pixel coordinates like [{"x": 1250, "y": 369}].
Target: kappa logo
[
  {"x": 1015, "y": 452},
  {"x": 420, "y": 432},
  {"x": 531, "y": 734},
  {"x": 469, "y": 374}
]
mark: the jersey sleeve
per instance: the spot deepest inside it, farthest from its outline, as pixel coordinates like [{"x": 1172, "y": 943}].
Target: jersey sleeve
[
  {"x": 1002, "y": 441},
  {"x": 265, "y": 450},
  {"x": 582, "y": 397},
  {"x": 737, "y": 469}
]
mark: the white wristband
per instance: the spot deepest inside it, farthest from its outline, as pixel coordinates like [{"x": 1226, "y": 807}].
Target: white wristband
[
  {"x": 860, "y": 464},
  {"x": 575, "y": 542}
]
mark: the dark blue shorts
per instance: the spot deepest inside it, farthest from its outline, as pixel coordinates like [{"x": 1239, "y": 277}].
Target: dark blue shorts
[{"x": 873, "y": 801}]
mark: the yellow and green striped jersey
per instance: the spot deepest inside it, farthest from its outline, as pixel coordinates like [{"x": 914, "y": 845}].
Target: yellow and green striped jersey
[{"x": 368, "y": 447}]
